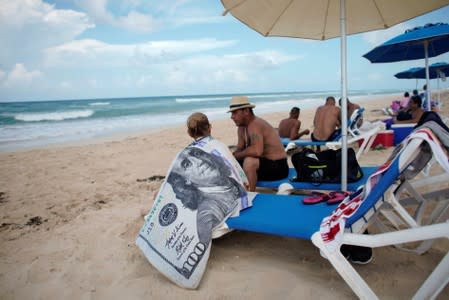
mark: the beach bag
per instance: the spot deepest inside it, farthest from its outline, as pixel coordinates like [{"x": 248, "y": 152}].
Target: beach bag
[
  {"x": 324, "y": 166},
  {"x": 354, "y": 171},
  {"x": 314, "y": 167}
]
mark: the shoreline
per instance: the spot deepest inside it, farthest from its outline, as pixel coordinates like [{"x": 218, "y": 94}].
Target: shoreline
[{"x": 119, "y": 136}]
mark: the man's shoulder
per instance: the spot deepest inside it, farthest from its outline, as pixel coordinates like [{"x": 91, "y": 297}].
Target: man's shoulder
[
  {"x": 286, "y": 120},
  {"x": 257, "y": 123}
]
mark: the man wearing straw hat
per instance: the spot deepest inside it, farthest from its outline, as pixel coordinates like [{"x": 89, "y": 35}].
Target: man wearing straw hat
[{"x": 259, "y": 148}]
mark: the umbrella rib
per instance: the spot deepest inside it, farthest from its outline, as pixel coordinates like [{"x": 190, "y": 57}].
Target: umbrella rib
[
  {"x": 380, "y": 14},
  {"x": 326, "y": 14},
  {"x": 232, "y": 7},
  {"x": 277, "y": 19}
]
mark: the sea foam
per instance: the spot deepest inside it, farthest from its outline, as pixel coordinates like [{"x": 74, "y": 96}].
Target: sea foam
[
  {"x": 99, "y": 103},
  {"x": 54, "y": 116}
]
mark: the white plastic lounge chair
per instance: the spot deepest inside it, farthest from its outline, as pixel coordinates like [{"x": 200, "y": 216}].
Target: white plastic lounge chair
[{"x": 278, "y": 214}]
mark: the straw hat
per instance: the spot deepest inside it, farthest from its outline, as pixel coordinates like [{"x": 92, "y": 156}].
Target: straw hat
[{"x": 239, "y": 102}]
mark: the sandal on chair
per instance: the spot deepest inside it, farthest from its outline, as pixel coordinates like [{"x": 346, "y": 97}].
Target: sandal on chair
[
  {"x": 317, "y": 198},
  {"x": 337, "y": 197}
]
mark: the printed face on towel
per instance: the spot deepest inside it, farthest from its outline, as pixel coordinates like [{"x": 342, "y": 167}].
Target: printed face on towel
[
  {"x": 203, "y": 169},
  {"x": 203, "y": 183}
]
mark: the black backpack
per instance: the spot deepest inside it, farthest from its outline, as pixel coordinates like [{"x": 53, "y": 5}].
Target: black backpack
[{"x": 324, "y": 166}]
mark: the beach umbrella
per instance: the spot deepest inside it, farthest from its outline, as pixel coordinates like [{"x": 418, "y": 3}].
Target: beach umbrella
[
  {"x": 436, "y": 70},
  {"x": 408, "y": 74},
  {"x": 439, "y": 70},
  {"x": 416, "y": 43},
  {"x": 325, "y": 19}
]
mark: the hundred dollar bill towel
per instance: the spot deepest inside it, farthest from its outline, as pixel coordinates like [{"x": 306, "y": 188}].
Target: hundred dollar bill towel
[{"x": 203, "y": 187}]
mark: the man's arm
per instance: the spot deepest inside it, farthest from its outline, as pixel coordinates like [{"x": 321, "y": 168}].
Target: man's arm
[
  {"x": 241, "y": 138},
  {"x": 255, "y": 149}
]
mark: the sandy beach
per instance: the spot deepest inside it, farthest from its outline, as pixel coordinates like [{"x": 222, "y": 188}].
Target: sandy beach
[{"x": 70, "y": 216}]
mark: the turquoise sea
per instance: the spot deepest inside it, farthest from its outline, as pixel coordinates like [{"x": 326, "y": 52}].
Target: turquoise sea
[{"x": 25, "y": 125}]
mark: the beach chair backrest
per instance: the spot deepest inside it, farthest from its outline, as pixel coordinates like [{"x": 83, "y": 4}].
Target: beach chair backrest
[
  {"x": 354, "y": 119},
  {"x": 386, "y": 181}
]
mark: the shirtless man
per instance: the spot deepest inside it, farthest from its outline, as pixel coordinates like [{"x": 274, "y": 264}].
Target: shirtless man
[
  {"x": 351, "y": 107},
  {"x": 259, "y": 149},
  {"x": 326, "y": 121},
  {"x": 414, "y": 110},
  {"x": 289, "y": 127}
]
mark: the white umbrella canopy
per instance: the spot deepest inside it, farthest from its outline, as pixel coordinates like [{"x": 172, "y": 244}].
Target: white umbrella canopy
[
  {"x": 320, "y": 19},
  {"x": 325, "y": 19}
]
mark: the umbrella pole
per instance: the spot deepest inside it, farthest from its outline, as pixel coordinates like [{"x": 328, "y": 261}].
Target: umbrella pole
[
  {"x": 426, "y": 52},
  {"x": 344, "y": 111},
  {"x": 439, "y": 97}
]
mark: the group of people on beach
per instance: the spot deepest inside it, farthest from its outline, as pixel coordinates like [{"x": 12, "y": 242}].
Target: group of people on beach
[
  {"x": 259, "y": 150},
  {"x": 409, "y": 109}
]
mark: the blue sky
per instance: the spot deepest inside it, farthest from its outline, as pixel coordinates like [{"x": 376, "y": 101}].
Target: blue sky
[{"x": 85, "y": 49}]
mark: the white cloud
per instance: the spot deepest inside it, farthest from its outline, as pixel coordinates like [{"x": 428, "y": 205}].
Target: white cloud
[
  {"x": 182, "y": 21},
  {"x": 96, "y": 53},
  {"x": 212, "y": 69},
  {"x": 375, "y": 38},
  {"x": 374, "y": 76},
  {"x": 133, "y": 20},
  {"x": 20, "y": 76},
  {"x": 136, "y": 21},
  {"x": 93, "y": 83},
  {"x": 66, "y": 85},
  {"x": 27, "y": 27}
]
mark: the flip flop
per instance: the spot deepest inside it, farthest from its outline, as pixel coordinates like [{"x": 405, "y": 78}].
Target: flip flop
[
  {"x": 337, "y": 197},
  {"x": 318, "y": 197}
]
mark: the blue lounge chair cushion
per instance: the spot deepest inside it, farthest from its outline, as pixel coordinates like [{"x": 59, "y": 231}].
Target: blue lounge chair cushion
[{"x": 283, "y": 215}]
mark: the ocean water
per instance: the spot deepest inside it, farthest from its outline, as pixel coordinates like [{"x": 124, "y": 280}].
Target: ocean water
[{"x": 34, "y": 124}]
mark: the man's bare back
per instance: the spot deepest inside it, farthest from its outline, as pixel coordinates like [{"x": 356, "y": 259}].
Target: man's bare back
[
  {"x": 289, "y": 127},
  {"x": 326, "y": 121}
]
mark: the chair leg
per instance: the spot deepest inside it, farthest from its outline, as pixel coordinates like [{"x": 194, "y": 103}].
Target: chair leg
[
  {"x": 435, "y": 282},
  {"x": 345, "y": 269}
]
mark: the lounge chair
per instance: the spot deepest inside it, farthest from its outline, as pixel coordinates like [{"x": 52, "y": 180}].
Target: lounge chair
[{"x": 287, "y": 216}]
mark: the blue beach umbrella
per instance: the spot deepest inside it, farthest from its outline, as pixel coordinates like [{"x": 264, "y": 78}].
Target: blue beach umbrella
[
  {"x": 438, "y": 70},
  {"x": 325, "y": 19},
  {"x": 408, "y": 74},
  {"x": 417, "y": 43}
]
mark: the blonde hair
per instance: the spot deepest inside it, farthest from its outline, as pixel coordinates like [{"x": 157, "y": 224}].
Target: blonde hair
[{"x": 198, "y": 125}]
